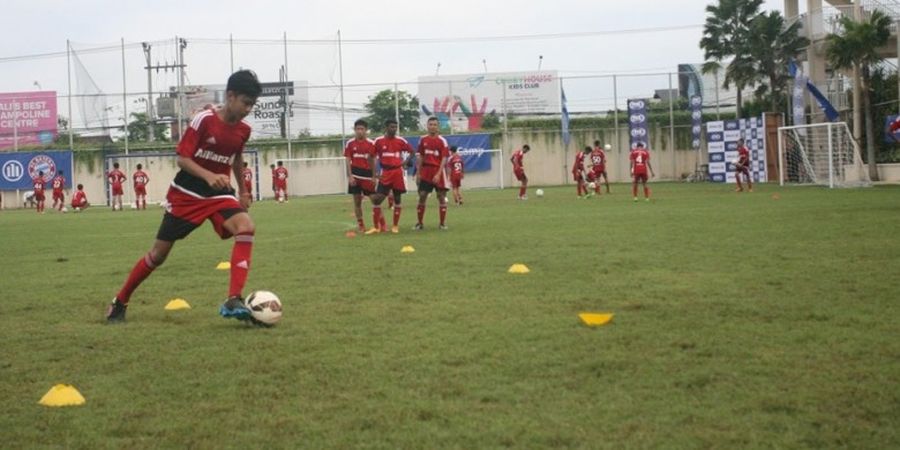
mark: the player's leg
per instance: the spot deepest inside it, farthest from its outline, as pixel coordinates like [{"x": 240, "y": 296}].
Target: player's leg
[
  {"x": 442, "y": 204},
  {"x": 524, "y": 188},
  {"x": 241, "y": 226},
  {"x": 420, "y": 207},
  {"x": 606, "y": 181},
  {"x": 749, "y": 181},
  {"x": 377, "y": 216},
  {"x": 597, "y": 183},
  {"x": 398, "y": 209},
  {"x": 646, "y": 188},
  {"x": 737, "y": 178},
  {"x": 634, "y": 187},
  {"x": 141, "y": 270},
  {"x": 357, "y": 209}
]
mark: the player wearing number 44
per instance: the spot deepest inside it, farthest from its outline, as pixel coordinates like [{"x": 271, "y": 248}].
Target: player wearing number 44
[
  {"x": 640, "y": 164},
  {"x": 742, "y": 166}
]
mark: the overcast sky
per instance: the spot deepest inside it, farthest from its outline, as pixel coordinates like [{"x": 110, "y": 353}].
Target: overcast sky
[{"x": 42, "y": 26}]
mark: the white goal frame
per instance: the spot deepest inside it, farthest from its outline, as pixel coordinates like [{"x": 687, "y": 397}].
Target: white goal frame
[{"x": 841, "y": 158}]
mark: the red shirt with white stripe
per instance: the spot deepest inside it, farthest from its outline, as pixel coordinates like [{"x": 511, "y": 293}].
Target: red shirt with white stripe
[
  {"x": 359, "y": 151},
  {"x": 433, "y": 149},
  {"x": 213, "y": 144},
  {"x": 390, "y": 151}
]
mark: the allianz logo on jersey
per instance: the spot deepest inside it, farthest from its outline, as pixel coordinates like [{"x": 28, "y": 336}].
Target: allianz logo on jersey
[
  {"x": 430, "y": 152},
  {"x": 212, "y": 156}
]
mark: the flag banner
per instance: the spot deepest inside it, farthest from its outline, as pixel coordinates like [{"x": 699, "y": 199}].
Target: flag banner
[
  {"x": 638, "y": 128},
  {"x": 696, "y": 121}
]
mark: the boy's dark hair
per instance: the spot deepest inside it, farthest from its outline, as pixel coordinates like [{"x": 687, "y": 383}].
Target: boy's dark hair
[
  {"x": 597, "y": 143},
  {"x": 139, "y": 166},
  {"x": 271, "y": 166},
  {"x": 80, "y": 186},
  {"x": 115, "y": 165},
  {"x": 244, "y": 82},
  {"x": 432, "y": 119},
  {"x": 245, "y": 163},
  {"x": 360, "y": 122},
  {"x": 280, "y": 163},
  {"x": 390, "y": 122},
  {"x": 453, "y": 149},
  {"x": 526, "y": 147},
  {"x": 588, "y": 148}
]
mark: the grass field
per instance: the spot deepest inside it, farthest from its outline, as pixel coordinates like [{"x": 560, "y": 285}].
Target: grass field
[{"x": 741, "y": 321}]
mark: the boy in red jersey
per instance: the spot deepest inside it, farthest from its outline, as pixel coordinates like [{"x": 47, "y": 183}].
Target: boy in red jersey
[
  {"x": 457, "y": 173},
  {"x": 247, "y": 179},
  {"x": 578, "y": 171},
  {"x": 742, "y": 166},
  {"x": 210, "y": 150},
  {"x": 430, "y": 171},
  {"x": 598, "y": 167},
  {"x": 116, "y": 178},
  {"x": 140, "y": 180},
  {"x": 280, "y": 176},
  {"x": 360, "y": 155},
  {"x": 38, "y": 184},
  {"x": 79, "y": 199},
  {"x": 59, "y": 196},
  {"x": 389, "y": 149},
  {"x": 518, "y": 164},
  {"x": 640, "y": 163}
]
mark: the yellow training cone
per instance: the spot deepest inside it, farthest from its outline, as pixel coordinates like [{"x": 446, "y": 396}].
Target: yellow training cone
[
  {"x": 519, "y": 268},
  {"x": 177, "y": 304},
  {"x": 224, "y": 265},
  {"x": 595, "y": 319},
  {"x": 62, "y": 395},
  {"x": 407, "y": 249}
]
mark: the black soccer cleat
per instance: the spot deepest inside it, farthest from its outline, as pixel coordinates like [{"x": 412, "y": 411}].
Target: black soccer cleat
[
  {"x": 115, "y": 313},
  {"x": 235, "y": 308}
]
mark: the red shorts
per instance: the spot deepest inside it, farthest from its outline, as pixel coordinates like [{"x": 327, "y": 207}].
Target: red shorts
[
  {"x": 185, "y": 212},
  {"x": 79, "y": 204},
  {"x": 117, "y": 190},
  {"x": 39, "y": 196},
  {"x": 140, "y": 190},
  {"x": 520, "y": 174},
  {"x": 426, "y": 179},
  {"x": 58, "y": 195},
  {"x": 742, "y": 169},
  {"x": 392, "y": 180},
  {"x": 456, "y": 181},
  {"x": 363, "y": 186},
  {"x": 640, "y": 177},
  {"x": 281, "y": 186}
]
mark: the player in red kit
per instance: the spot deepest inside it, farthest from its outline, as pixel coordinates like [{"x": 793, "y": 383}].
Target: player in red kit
[
  {"x": 742, "y": 166},
  {"x": 79, "y": 199},
  {"x": 209, "y": 152},
  {"x": 140, "y": 180},
  {"x": 431, "y": 165},
  {"x": 598, "y": 168},
  {"x": 360, "y": 154},
  {"x": 578, "y": 171},
  {"x": 457, "y": 173},
  {"x": 392, "y": 181},
  {"x": 38, "y": 184},
  {"x": 247, "y": 179},
  {"x": 280, "y": 175},
  {"x": 518, "y": 164},
  {"x": 640, "y": 164},
  {"x": 116, "y": 178},
  {"x": 59, "y": 196}
]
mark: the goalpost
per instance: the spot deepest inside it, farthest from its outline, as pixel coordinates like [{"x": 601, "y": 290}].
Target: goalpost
[
  {"x": 823, "y": 154},
  {"x": 328, "y": 175}
]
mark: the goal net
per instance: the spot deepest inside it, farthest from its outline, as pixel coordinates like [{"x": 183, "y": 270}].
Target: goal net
[
  {"x": 324, "y": 176},
  {"x": 823, "y": 154}
]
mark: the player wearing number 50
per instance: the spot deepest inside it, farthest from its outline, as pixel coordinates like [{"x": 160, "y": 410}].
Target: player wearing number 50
[
  {"x": 742, "y": 166},
  {"x": 209, "y": 152},
  {"x": 140, "y": 180},
  {"x": 457, "y": 173},
  {"x": 640, "y": 164}
]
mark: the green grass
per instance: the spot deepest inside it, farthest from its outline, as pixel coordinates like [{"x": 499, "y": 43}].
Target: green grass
[{"x": 741, "y": 321}]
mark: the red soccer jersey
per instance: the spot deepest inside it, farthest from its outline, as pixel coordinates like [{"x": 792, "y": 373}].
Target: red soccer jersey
[
  {"x": 518, "y": 160},
  {"x": 359, "y": 152},
  {"x": 79, "y": 199},
  {"x": 213, "y": 144},
  {"x": 140, "y": 179},
  {"x": 281, "y": 174},
  {"x": 59, "y": 182},
  {"x": 457, "y": 166},
  {"x": 247, "y": 175},
  {"x": 390, "y": 151},
  {"x": 116, "y": 178},
  {"x": 433, "y": 149},
  {"x": 38, "y": 184},
  {"x": 639, "y": 159},
  {"x": 579, "y": 162},
  {"x": 743, "y": 156},
  {"x": 598, "y": 158}
]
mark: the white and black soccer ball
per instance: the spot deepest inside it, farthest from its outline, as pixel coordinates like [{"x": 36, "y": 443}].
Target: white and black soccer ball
[
  {"x": 64, "y": 210},
  {"x": 539, "y": 193},
  {"x": 592, "y": 185},
  {"x": 264, "y": 306},
  {"x": 607, "y": 147}
]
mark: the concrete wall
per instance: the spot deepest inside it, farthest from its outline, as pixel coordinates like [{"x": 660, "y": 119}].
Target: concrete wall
[{"x": 889, "y": 173}]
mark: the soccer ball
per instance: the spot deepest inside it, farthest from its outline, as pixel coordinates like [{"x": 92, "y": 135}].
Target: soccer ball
[
  {"x": 265, "y": 307},
  {"x": 64, "y": 210},
  {"x": 77, "y": 209},
  {"x": 539, "y": 192},
  {"x": 592, "y": 185},
  {"x": 607, "y": 147}
]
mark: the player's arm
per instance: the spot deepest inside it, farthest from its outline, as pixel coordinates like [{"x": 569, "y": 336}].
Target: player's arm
[
  {"x": 371, "y": 160},
  {"x": 443, "y": 164},
  {"x": 650, "y": 166},
  {"x": 419, "y": 161},
  {"x": 348, "y": 158}
]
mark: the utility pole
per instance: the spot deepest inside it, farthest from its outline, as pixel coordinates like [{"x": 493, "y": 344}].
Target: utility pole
[
  {"x": 182, "y": 44},
  {"x": 149, "y": 68}
]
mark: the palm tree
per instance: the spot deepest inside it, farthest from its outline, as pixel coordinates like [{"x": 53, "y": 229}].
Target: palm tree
[
  {"x": 725, "y": 35},
  {"x": 772, "y": 45},
  {"x": 857, "y": 48}
]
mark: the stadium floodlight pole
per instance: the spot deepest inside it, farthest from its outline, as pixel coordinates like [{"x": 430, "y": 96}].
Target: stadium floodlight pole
[
  {"x": 150, "y": 132},
  {"x": 124, "y": 97},
  {"x": 287, "y": 99},
  {"x": 484, "y": 63},
  {"x": 180, "y": 104},
  {"x": 69, "y": 75},
  {"x": 540, "y": 62},
  {"x": 672, "y": 130},
  {"x": 341, "y": 78}
]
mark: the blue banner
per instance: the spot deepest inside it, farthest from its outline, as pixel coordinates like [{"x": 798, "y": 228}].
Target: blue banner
[
  {"x": 472, "y": 148},
  {"x": 891, "y": 138},
  {"x": 18, "y": 169},
  {"x": 696, "y": 121},
  {"x": 565, "y": 118},
  {"x": 637, "y": 122}
]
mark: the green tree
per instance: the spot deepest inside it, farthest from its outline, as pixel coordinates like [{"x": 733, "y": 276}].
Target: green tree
[
  {"x": 773, "y": 44},
  {"x": 856, "y": 48},
  {"x": 726, "y": 34},
  {"x": 382, "y": 106},
  {"x": 140, "y": 126}
]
